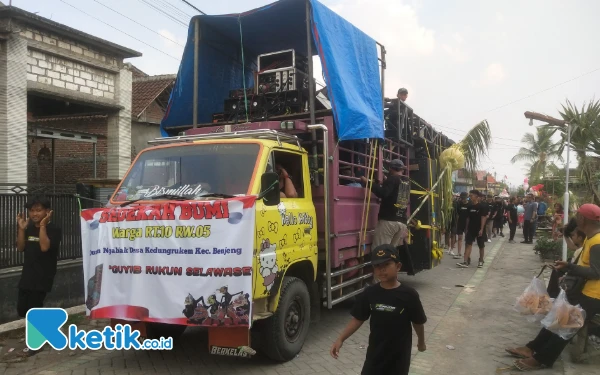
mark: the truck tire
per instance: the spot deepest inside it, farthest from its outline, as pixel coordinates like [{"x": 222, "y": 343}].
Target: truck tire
[
  {"x": 158, "y": 330},
  {"x": 284, "y": 332}
]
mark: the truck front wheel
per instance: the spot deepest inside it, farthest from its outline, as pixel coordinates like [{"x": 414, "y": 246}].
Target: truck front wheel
[{"x": 285, "y": 331}]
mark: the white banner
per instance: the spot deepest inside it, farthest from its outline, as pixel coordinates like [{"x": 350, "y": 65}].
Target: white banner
[{"x": 179, "y": 262}]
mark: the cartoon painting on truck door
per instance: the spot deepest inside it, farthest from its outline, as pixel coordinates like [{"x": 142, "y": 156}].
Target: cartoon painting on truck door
[{"x": 287, "y": 232}]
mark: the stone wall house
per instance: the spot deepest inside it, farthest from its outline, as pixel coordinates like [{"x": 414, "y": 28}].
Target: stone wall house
[{"x": 63, "y": 95}]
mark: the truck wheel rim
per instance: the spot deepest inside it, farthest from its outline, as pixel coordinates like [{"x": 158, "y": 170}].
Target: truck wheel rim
[{"x": 294, "y": 321}]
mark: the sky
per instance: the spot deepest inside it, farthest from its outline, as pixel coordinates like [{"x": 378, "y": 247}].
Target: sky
[{"x": 462, "y": 61}]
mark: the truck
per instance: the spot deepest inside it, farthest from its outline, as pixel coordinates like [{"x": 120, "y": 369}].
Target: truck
[{"x": 311, "y": 247}]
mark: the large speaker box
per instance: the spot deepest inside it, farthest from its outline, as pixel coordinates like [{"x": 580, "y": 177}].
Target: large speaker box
[{"x": 423, "y": 174}]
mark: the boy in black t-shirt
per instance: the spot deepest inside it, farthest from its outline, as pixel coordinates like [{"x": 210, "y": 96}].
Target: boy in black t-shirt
[
  {"x": 476, "y": 223},
  {"x": 392, "y": 308},
  {"x": 40, "y": 240}
]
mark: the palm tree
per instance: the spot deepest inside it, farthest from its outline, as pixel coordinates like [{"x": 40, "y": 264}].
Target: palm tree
[
  {"x": 585, "y": 133},
  {"x": 538, "y": 151},
  {"x": 465, "y": 154}
]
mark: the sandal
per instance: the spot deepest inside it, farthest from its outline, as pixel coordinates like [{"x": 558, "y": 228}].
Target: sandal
[
  {"x": 515, "y": 353},
  {"x": 523, "y": 367}
]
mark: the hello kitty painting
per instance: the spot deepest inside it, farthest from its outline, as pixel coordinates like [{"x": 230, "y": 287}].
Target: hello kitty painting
[{"x": 268, "y": 263}]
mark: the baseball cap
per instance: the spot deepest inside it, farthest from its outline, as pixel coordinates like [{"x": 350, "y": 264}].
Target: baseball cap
[
  {"x": 383, "y": 253},
  {"x": 590, "y": 211},
  {"x": 397, "y": 164}
]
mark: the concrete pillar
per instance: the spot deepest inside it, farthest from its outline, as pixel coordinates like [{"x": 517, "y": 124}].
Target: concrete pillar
[
  {"x": 13, "y": 110},
  {"x": 119, "y": 128}
]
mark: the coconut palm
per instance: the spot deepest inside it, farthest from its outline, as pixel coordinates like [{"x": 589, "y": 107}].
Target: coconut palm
[
  {"x": 538, "y": 151},
  {"x": 585, "y": 133},
  {"x": 465, "y": 154}
]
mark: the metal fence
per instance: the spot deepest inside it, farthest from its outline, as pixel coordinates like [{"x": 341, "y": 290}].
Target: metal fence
[{"x": 66, "y": 215}]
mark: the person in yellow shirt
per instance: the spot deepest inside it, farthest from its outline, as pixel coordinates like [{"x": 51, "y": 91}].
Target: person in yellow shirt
[{"x": 545, "y": 349}]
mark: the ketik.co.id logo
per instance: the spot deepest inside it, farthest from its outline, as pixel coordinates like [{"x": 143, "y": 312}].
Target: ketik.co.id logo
[{"x": 43, "y": 325}]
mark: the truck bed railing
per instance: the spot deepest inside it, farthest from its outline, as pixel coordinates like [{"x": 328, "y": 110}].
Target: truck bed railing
[{"x": 252, "y": 134}]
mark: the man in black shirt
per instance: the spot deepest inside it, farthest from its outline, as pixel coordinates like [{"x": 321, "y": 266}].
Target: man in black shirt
[
  {"x": 392, "y": 308},
  {"x": 394, "y": 194},
  {"x": 513, "y": 218},
  {"x": 499, "y": 217},
  {"x": 478, "y": 215},
  {"x": 461, "y": 210},
  {"x": 40, "y": 240}
]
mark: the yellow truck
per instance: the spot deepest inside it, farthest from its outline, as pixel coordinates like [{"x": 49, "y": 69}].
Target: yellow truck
[{"x": 311, "y": 244}]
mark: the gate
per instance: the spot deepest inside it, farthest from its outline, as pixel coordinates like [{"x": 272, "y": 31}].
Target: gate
[{"x": 66, "y": 215}]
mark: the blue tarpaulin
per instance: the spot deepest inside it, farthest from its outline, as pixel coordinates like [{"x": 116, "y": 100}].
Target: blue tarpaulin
[{"x": 348, "y": 57}]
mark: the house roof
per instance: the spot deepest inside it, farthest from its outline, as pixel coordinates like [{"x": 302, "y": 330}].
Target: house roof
[
  {"x": 145, "y": 90},
  {"x": 63, "y": 30},
  {"x": 137, "y": 72}
]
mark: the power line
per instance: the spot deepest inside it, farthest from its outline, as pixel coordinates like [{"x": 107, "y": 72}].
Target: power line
[
  {"x": 121, "y": 31},
  {"x": 172, "y": 18},
  {"x": 544, "y": 90},
  {"x": 191, "y": 5},
  {"x": 176, "y": 10},
  {"x": 144, "y": 26}
]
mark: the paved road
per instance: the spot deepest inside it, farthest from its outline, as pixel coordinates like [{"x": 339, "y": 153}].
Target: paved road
[{"x": 478, "y": 322}]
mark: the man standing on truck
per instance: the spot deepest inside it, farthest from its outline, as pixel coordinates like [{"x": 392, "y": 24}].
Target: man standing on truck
[
  {"x": 403, "y": 94},
  {"x": 394, "y": 194},
  {"x": 478, "y": 215}
]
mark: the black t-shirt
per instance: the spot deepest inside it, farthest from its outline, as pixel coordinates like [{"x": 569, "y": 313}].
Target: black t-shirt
[
  {"x": 394, "y": 194},
  {"x": 513, "y": 213},
  {"x": 491, "y": 209},
  {"x": 391, "y": 311},
  {"x": 499, "y": 211},
  {"x": 39, "y": 267},
  {"x": 476, "y": 212},
  {"x": 462, "y": 210}
]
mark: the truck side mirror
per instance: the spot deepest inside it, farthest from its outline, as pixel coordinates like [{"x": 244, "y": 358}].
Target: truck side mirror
[{"x": 269, "y": 185}]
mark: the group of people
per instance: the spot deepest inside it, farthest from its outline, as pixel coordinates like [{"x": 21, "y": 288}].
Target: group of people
[
  {"x": 475, "y": 213},
  {"x": 477, "y": 218}
]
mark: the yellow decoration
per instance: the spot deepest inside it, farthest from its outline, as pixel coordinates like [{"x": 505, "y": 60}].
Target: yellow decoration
[{"x": 454, "y": 157}]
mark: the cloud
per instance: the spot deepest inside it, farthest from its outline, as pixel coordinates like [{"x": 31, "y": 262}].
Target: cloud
[
  {"x": 394, "y": 25},
  {"x": 455, "y": 49},
  {"x": 492, "y": 75}
]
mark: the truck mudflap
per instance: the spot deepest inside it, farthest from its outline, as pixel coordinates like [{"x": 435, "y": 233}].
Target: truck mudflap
[{"x": 230, "y": 341}]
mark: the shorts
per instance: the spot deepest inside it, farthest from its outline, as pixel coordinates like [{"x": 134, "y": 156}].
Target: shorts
[
  {"x": 389, "y": 232},
  {"x": 499, "y": 223},
  {"x": 470, "y": 238},
  {"x": 460, "y": 228}
]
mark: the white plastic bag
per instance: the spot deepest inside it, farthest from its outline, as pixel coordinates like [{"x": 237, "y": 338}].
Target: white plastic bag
[
  {"x": 534, "y": 301},
  {"x": 564, "y": 319}
]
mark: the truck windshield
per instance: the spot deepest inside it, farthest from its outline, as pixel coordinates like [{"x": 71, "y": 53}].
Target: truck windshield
[{"x": 190, "y": 171}]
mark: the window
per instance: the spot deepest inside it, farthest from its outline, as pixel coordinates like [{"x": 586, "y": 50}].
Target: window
[
  {"x": 292, "y": 163},
  {"x": 191, "y": 171}
]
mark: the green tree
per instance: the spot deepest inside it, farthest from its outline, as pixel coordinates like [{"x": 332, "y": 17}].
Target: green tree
[
  {"x": 584, "y": 125},
  {"x": 538, "y": 151}
]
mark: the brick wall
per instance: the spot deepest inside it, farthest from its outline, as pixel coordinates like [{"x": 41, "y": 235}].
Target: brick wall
[
  {"x": 153, "y": 114},
  {"x": 73, "y": 160},
  {"x": 65, "y": 45},
  {"x": 72, "y": 75}
]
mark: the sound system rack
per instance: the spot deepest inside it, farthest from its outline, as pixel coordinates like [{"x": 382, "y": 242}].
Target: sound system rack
[{"x": 281, "y": 87}]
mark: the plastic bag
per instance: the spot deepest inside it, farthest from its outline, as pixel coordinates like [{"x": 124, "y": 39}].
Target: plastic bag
[
  {"x": 534, "y": 301},
  {"x": 564, "y": 319}
]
